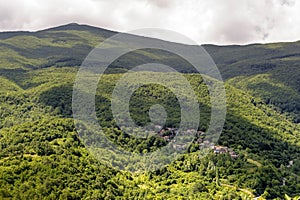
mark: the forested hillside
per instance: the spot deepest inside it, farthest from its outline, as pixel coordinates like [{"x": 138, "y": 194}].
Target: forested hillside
[
  {"x": 68, "y": 45},
  {"x": 42, "y": 156}
]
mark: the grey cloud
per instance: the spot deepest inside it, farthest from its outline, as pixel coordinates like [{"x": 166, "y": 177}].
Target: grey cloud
[
  {"x": 287, "y": 2},
  {"x": 161, "y": 3},
  {"x": 214, "y": 21}
]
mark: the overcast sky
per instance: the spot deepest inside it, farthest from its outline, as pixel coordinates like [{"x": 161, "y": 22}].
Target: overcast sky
[{"x": 205, "y": 21}]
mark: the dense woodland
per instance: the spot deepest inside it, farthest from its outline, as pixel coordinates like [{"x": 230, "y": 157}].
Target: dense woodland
[{"x": 43, "y": 157}]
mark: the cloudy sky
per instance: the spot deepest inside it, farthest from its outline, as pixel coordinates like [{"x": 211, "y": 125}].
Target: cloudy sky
[{"x": 205, "y": 21}]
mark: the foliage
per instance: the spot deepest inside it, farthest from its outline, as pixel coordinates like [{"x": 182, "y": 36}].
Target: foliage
[{"x": 42, "y": 157}]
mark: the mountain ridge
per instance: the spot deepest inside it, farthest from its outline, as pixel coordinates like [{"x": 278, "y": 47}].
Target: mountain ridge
[{"x": 82, "y": 26}]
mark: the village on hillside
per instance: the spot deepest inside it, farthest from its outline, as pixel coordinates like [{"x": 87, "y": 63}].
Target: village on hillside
[{"x": 168, "y": 134}]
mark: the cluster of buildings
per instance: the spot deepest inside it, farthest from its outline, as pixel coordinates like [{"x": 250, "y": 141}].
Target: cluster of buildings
[
  {"x": 217, "y": 149},
  {"x": 169, "y": 133},
  {"x": 223, "y": 149}
]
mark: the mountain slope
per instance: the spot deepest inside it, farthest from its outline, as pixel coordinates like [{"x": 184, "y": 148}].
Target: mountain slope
[
  {"x": 41, "y": 155},
  {"x": 43, "y": 140},
  {"x": 69, "y": 44}
]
